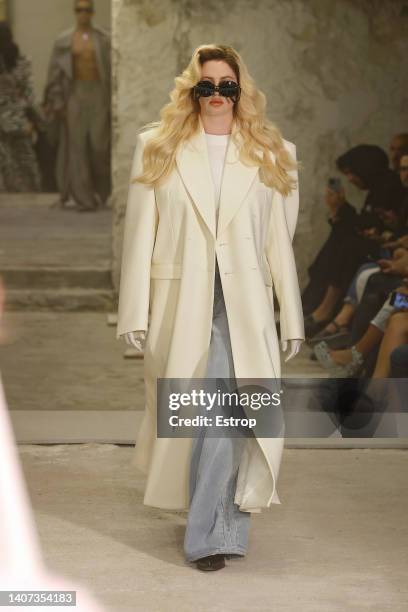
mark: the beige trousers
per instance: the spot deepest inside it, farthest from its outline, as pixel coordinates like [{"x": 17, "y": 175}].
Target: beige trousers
[{"x": 86, "y": 161}]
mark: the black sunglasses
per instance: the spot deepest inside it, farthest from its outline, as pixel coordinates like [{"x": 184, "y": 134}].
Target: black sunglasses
[
  {"x": 227, "y": 89},
  {"x": 83, "y": 10}
]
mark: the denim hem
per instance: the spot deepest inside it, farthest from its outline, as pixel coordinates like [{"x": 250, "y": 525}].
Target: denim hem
[{"x": 237, "y": 550}]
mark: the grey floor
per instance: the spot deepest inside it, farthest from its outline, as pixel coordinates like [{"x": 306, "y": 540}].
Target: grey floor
[
  {"x": 35, "y": 234},
  {"x": 337, "y": 542}
]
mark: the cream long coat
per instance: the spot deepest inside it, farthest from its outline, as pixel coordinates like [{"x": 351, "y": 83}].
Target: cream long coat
[{"x": 166, "y": 288}]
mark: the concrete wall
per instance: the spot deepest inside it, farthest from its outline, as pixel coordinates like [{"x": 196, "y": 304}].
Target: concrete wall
[
  {"x": 333, "y": 72},
  {"x": 36, "y": 23},
  {"x": 3, "y": 9}
]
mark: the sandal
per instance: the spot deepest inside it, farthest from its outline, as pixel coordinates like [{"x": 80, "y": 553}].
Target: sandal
[
  {"x": 322, "y": 352},
  {"x": 312, "y": 327},
  {"x": 341, "y": 331},
  {"x": 354, "y": 367}
]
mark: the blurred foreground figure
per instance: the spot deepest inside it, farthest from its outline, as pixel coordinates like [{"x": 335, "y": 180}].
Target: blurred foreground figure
[
  {"x": 21, "y": 562},
  {"x": 77, "y": 95}
]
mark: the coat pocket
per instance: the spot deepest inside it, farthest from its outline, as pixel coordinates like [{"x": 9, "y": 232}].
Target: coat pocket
[{"x": 165, "y": 270}]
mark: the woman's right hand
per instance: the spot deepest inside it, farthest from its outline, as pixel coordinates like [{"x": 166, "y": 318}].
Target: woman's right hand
[{"x": 136, "y": 339}]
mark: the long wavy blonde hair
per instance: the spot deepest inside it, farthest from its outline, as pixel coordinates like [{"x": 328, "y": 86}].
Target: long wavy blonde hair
[{"x": 180, "y": 121}]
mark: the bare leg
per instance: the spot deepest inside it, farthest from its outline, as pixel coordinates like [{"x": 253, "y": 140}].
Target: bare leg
[
  {"x": 343, "y": 318},
  {"x": 395, "y": 335},
  {"x": 325, "y": 309}
]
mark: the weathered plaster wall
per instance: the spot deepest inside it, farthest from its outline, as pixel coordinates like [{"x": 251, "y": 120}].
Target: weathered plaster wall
[
  {"x": 3, "y": 9},
  {"x": 334, "y": 73}
]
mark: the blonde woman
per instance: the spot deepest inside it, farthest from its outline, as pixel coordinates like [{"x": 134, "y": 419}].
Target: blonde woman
[{"x": 211, "y": 213}]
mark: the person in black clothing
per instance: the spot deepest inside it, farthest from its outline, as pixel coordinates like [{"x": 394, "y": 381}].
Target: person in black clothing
[
  {"x": 368, "y": 327},
  {"x": 403, "y": 173},
  {"x": 399, "y": 142},
  {"x": 354, "y": 237},
  {"x": 381, "y": 283}
]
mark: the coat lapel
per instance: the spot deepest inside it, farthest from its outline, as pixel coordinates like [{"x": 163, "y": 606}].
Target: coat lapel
[
  {"x": 194, "y": 167},
  {"x": 236, "y": 181},
  {"x": 99, "y": 55},
  {"x": 65, "y": 57},
  {"x": 195, "y": 171}
]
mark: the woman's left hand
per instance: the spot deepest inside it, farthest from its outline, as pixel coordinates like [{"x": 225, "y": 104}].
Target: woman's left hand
[{"x": 294, "y": 347}]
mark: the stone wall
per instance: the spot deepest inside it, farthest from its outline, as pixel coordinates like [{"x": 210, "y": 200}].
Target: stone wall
[
  {"x": 3, "y": 9},
  {"x": 332, "y": 71}
]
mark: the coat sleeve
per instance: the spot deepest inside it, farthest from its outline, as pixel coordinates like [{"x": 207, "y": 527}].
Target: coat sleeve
[
  {"x": 291, "y": 202},
  {"x": 141, "y": 218},
  {"x": 53, "y": 92},
  {"x": 281, "y": 259}
]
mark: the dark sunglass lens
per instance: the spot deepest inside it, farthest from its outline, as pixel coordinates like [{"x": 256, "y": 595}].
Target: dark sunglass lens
[
  {"x": 205, "y": 88},
  {"x": 228, "y": 89}
]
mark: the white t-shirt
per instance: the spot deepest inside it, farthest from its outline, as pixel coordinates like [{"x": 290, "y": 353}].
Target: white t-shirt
[{"x": 217, "y": 148}]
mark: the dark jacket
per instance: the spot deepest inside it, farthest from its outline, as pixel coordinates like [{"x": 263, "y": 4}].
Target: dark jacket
[{"x": 385, "y": 191}]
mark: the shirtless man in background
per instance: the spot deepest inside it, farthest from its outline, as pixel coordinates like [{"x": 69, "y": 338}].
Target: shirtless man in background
[
  {"x": 84, "y": 59},
  {"x": 77, "y": 94}
]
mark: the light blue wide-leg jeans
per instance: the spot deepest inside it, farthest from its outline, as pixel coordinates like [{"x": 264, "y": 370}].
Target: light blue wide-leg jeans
[{"x": 214, "y": 523}]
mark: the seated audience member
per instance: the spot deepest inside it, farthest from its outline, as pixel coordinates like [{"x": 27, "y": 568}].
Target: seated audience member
[
  {"x": 398, "y": 144},
  {"x": 350, "y": 361},
  {"x": 355, "y": 238},
  {"x": 337, "y": 331},
  {"x": 395, "y": 336}
]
